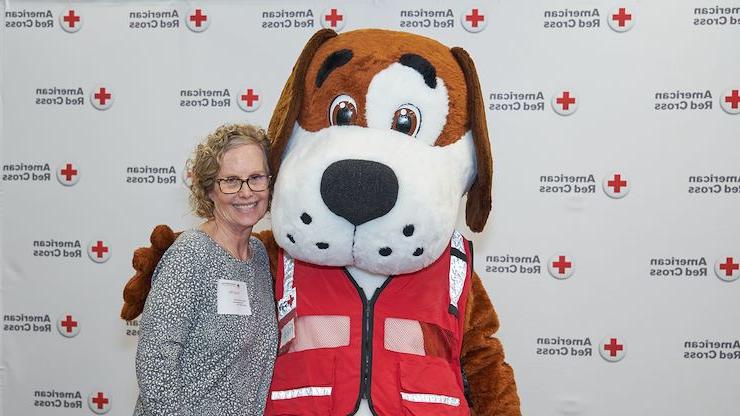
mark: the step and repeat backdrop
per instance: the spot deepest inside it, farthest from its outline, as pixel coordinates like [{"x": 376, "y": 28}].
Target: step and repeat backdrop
[{"x": 612, "y": 254}]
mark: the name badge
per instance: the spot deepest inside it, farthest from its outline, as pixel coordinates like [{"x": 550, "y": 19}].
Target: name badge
[{"x": 233, "y": 298}]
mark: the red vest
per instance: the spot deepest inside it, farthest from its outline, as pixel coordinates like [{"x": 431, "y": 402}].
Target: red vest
[{"x": 400, "y": 349}]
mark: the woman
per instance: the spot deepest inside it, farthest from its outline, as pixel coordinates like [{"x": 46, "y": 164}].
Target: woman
[{"x": 208, "y": 331}]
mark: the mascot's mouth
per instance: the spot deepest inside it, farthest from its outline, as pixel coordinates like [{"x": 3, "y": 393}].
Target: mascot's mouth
[
  {"x": 385, "y": 251},
  {"x": 359, "y": 191}
]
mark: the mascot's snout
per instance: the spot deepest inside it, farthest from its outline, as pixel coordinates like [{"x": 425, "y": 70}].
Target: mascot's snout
[{"x": 359, "y": 190}]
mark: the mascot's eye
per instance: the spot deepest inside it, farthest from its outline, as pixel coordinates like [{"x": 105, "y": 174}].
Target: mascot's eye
[
  {"x": 407, "y": 120},
  {"x": 343, "y": 111}
]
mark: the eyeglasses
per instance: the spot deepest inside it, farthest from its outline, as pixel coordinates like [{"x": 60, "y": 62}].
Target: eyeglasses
[{"x": 233, "y": 184}]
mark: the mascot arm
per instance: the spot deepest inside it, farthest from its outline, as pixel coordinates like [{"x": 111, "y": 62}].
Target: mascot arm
[
  {"x": 491, "y": 379},
  {"x": 272, "y": 249},
  {"x": 144, "y": 261}
]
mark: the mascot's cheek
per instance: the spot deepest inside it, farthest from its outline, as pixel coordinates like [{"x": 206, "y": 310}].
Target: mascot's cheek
[{"x": 407, "y": 237}]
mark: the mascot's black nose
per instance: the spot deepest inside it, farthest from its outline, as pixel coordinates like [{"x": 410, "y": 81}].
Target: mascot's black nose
[{"x": 359, "y": 190}]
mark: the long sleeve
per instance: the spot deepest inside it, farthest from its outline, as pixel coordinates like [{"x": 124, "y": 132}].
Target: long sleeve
[
  {"x": 491, "y": 379},
  {"x": 165, "y": 324}
]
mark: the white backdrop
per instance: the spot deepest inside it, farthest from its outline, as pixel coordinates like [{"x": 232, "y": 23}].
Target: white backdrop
[{"x": 638, "y": 317}]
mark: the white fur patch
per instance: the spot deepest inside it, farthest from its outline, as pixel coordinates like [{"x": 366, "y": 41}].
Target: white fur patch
[
  {"x": 398, "y": 85},
  {"x": 431, "y": 183}
]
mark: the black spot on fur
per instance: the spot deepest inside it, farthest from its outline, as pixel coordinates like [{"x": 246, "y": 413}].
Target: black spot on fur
[
  {"x": 332, "y": 62},
  {"x": 306, "y": 218},
  {"x": 322, "y": 246},
  {"x": 385, "y": 251},
  {"x": 422, "y": 66},
  {"x": 408, "y": 230},
  {"x": 290, "y": 237},
  {"x": 418, "y": 252}
]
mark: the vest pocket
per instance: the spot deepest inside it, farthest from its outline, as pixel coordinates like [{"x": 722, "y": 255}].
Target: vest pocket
[
  {"x": 430, "y": 387},
  {"x": 418, "y": 338},
  {"x": 302, "y": 384}
]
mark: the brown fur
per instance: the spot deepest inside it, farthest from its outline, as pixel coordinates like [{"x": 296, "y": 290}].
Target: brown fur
[
  {"x": 478, "y": 205},
  {"x": 144, "y": 261},
  {"x": 491, "y": 379},
  {"x": 374, "y": 50},
  {"x": 286, "y": 109}
]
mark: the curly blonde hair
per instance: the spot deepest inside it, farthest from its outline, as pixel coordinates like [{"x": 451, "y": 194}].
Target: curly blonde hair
[{"x": 207, "y": 158}]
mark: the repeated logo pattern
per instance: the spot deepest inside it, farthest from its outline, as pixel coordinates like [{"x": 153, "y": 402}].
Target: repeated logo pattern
[{"x": 665, "y": 123}]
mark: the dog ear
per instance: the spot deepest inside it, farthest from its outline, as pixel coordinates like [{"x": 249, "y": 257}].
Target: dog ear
[
  {"x": 479, "y": 195},
  {"x": 287, "y": 107}
]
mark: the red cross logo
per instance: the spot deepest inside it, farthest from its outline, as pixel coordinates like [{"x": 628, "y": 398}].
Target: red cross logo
[
  {"x": 69, "y": 21},
  {"x": 613, "y": 347},
  {"x": 729, "y": 266},
  {"x": 249, "y": 101},
  {"x": 100, "y": 400},
  {"x": 69, "y": 324},
  {"x": 98, "y": 403},
  {"x": 622, "y": 17},
  {"x": 730, "y": 101},
  {"x": 71, "y": 18},
  {"x": 68, "y": 172},
  {"x": 333, "y": 18},
  {"x": 562, "y": 265},
  {"x": 290, "y": 301},
  {"x": 617, "y": 183},
  {"x": 99, "y": 249},
  {"x": 566, "y": 100},
  {"x": 733, "y": 99},
  {"x": 102, "y": 96},
  {"x": 474, "y": 18},
  {"x": 250, "y": 97},
  {"x": 198, "y": 18}
]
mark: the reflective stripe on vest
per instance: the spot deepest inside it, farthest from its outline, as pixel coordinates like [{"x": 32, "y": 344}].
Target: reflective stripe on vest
[{"x": 458, "y": 269}]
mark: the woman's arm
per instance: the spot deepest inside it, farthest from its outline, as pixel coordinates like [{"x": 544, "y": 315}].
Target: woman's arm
[{"x": 167, "y": 317}]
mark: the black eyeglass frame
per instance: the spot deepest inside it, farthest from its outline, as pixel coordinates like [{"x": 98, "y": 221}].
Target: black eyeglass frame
[{"x": 243, "y": 181}]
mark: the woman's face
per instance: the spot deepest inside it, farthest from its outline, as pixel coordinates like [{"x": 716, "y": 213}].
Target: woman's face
[{"x": 242, "y": 210}]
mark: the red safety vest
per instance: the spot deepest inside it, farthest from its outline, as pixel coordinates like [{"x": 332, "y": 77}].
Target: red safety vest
[{"x": 400, "y": 349}]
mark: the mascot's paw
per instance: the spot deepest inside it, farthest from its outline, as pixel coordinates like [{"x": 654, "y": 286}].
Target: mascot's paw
[{"x": 144, "y": 261}]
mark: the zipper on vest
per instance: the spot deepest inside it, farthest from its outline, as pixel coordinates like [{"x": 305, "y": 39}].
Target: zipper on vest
[
  {"x": 367, "y": 349},
  {"x": 367, "y": 341}
]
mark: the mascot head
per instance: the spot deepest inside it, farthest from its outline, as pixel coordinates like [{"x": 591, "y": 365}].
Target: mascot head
[{"x": 376, "y": 138}]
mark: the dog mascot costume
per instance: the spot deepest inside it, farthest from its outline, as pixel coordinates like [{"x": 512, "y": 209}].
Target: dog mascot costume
[{"x": 375, "y": 139}]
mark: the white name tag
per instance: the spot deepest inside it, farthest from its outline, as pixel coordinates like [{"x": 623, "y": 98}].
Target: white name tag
[{"x": 233, "y": 298}]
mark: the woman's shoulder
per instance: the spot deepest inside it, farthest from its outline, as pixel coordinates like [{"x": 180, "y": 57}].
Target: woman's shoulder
[
  {"x": 257, "y": 247},
  {"x": 189, "y": 244}
]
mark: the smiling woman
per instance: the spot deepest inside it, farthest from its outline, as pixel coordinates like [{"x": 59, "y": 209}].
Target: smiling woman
[{"x": 208, "y": 330}]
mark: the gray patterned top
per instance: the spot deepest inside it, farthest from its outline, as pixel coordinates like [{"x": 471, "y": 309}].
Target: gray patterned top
[{"x": 191, "y": 361}]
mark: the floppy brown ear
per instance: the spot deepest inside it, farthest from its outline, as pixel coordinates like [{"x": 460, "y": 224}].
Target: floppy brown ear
[
  {"x": 479, "y": 195},
  {"x": 287, "y": 107}
]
